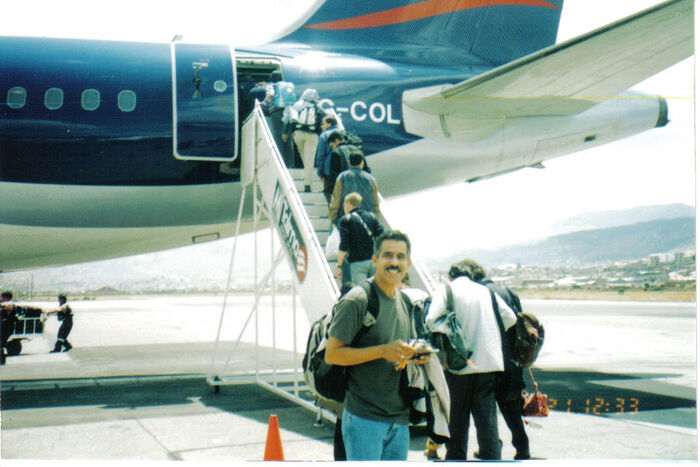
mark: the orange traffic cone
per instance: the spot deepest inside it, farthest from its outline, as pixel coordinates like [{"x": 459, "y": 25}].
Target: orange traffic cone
[{"x": 273, "y": 445}]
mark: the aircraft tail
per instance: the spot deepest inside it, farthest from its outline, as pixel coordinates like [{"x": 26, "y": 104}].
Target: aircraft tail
[{"x": 438, "y": 32}]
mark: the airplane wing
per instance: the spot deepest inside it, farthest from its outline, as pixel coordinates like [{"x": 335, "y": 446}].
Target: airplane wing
[{"x": 563, "y": 79}]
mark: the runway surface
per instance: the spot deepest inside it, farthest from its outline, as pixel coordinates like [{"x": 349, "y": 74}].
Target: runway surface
[{"x": 621, "y": 379}]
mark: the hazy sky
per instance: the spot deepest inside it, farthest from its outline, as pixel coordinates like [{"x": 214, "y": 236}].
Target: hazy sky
[{"x": 656, "y": 167}]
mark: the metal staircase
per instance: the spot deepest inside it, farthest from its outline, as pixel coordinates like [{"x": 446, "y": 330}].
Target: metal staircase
[
  {"x": 300, "y": 222},
  {"x": 315, "y": 205}
]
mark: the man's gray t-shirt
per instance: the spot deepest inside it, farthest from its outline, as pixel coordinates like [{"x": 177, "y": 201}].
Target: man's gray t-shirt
[{"x": 373, "y": 389}]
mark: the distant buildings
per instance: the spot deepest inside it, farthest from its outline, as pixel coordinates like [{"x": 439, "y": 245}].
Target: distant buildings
[{"x": 674, "y": 270}]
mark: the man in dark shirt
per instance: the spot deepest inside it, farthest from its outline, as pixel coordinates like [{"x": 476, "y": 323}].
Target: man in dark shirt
[
  {"x": 7, "y": 322},
  {"x": 354, "y": 180},
  {"x": 508, "y": 395},
  {"x": 340, "y": 156},
  {"x": 258, "y": 93},
  {"x": 322, "y": 162},
  {"x": 64, "y": 314},
  {"x": 358, "y": 229}
]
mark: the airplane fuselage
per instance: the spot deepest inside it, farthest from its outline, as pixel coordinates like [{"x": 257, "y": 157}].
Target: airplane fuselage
[
  {"x": 116, "y": 148},
  {"x": 91, "y": 126},
  {"x": 62, "y": 141}
]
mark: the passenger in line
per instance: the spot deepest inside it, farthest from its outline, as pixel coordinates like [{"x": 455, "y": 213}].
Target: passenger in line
[
  {"x": 280, "y": 95},
  {"x": 245, "y": 84},
  {"x": 65, "y": 315},
  {"x": 304, "y": 122},
  {"x": 508, "y": 397},
  {"x": 7, "y": 323},
  {"x": 323, "y": 155},
  {"x": 340, "y": 155},
  {"x": 358, "y": 229},
  {"x": 508, "y": 391},
  {"x": 375, "y": 415},
  {"x": 472, "y": 389},
  {"x": 258, "y": 93},
  {"x": 354, "y": 180}
]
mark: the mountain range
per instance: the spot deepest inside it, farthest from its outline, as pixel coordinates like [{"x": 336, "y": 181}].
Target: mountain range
[
  {"x": 605, "y": 219},
  {"x": 599, "y": 237}
]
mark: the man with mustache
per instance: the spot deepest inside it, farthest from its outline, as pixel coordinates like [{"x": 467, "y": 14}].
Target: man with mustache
[{"x": 375, "y": 415}]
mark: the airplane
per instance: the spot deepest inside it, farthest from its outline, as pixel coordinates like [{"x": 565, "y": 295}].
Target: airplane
[{"x": 111, "y": 148}]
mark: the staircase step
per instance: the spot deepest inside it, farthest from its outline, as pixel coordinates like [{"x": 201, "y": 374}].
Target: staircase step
[
  {"x": 323, "y": 236},
  {"x": 316, "y": 186},
  {"x": 298, "y": 174},
  {"x": 317, "y": 210},
  {"x": 313, "y": 198},
  {"x": 320, "y": 224}
]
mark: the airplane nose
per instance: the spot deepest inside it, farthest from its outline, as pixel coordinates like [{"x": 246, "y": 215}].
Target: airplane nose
[{"x": 663, "y": 113}]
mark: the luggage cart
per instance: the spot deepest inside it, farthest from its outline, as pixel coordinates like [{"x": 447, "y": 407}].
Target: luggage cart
[{"x": 29, "y": 322}]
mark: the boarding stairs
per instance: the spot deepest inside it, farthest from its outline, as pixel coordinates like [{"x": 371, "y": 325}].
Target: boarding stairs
[{"x": 300, "y": 230}]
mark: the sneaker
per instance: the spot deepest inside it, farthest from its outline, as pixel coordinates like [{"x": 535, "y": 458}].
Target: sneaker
[
  {"x": 67, "y": 347},
  {"x": 431, "y": 450},
  {"x": 521, "y": 456},
  {"x": 55, "y": 351}
]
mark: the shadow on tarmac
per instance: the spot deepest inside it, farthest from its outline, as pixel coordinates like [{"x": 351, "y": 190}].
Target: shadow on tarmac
[
  {"x": 597, "y": 393},
  {"x": 585, "y": 392},
  {"x": 103, "y": 399},
  {"x": 144, "y": 391}
]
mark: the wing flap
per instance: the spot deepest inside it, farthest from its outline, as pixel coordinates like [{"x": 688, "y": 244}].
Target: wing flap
[{"x": 570, "y": 77}]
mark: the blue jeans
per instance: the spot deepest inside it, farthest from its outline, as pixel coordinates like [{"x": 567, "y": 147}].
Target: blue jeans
[
  {"x": 361, "y": 271},
  {"x": 369, "y": 440}
]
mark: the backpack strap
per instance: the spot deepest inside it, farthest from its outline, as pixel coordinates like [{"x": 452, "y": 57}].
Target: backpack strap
[
  {"x": 506, "y": 294},
  {"x": 372, "y": 298},
  {"x": 372, "y": 307},
  {"x": 449, "y": 298},
  {"x": 449, "y": 307},
  {"x": 504, "y": 341},
  {"x": 406, "y": 301},
  {"x": 359, "y": 217},
  {"x": 320, "y": 113}
]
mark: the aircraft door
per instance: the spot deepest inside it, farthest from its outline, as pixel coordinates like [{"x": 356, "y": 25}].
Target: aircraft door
[{"x": 205, "y": 107}]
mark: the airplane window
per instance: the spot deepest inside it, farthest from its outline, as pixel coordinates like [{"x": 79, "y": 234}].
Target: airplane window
[
  {"x": 126, "y": 101},
  {"x": 220, "y": 86},
  {"x": 90, "y": 99},
  {"x": 53, "y": 98},
  {"x": 16, "y": 97}
]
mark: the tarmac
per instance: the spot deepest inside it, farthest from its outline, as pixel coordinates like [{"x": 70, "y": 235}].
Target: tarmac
[{"x": 151, "y": 402}]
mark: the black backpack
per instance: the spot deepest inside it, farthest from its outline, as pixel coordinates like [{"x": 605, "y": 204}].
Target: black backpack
[
  {"x": 527, "y": 340},
  {"x": 330, "y": 381},
  {"x": 527, "y": 335},
  {"x": 350, "y": 137}
]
